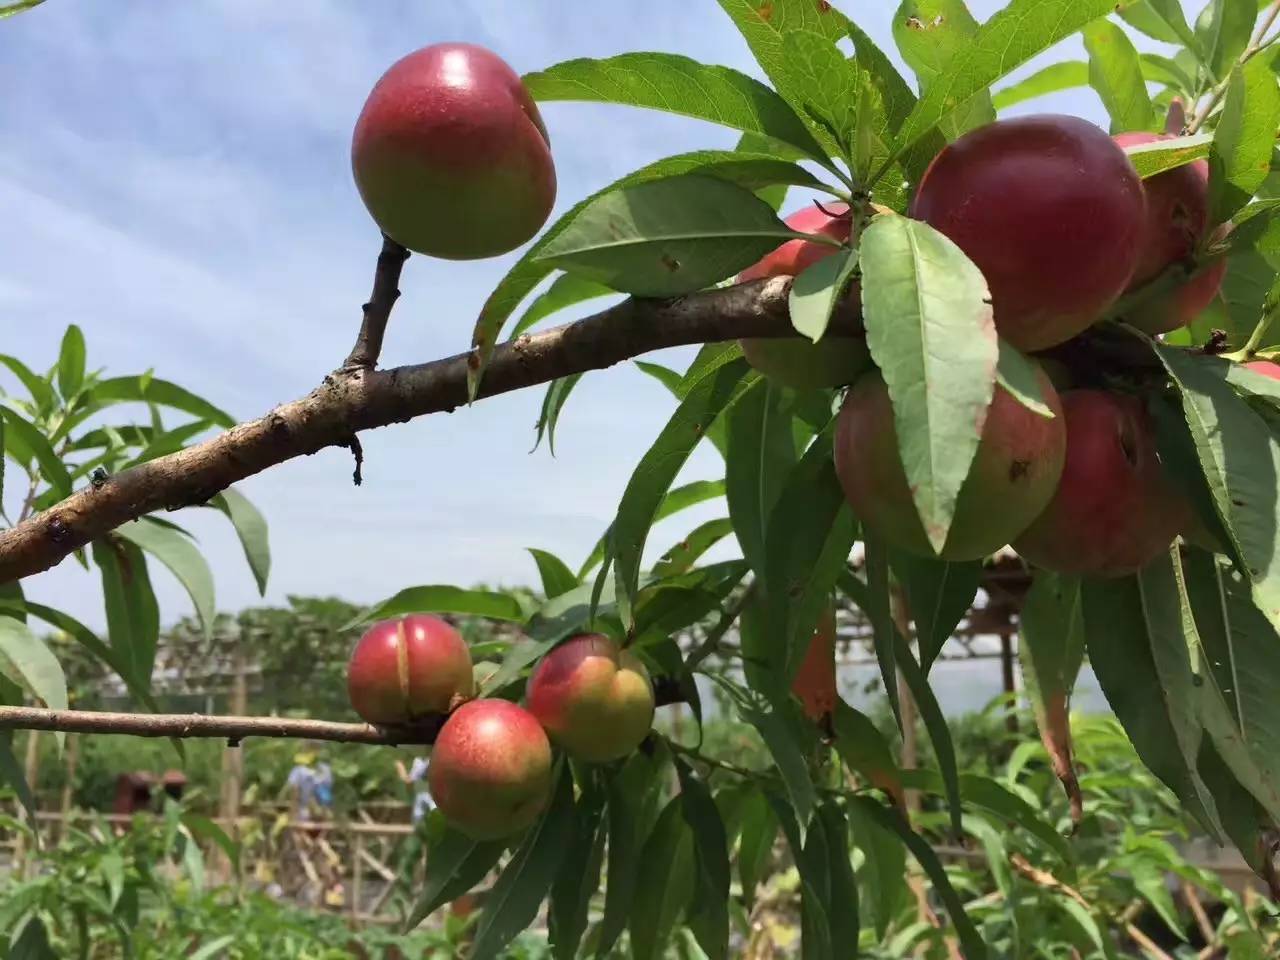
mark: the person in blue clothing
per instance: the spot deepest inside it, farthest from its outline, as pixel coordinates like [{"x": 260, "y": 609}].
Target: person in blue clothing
[{"x": 310, "y": 784}]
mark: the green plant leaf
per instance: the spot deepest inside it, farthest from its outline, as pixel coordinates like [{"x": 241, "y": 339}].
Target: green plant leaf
[
  {"x": 1240, "y": 461},
  {"x": 184, "y": 561},
  {"x": 11, "y": 774},
  {"x": 1019, "y": 376},
  {"x": 1161, "y": 20},
  {"x": 665, "y": 81},
  {"x": 844, "y": 916},
  {"x": 818, "y": 290},
  {"x": 25, "y": 443},
  {"x": 878, "y": 611},
  {"x": 556, "y": 577},
  {"x": 34, "y": 662},
  {"x": 211, "y": 948},
  {"x": 759, "y": 454},
  {"x": 455, "y": 864},
  {"x": 1222, "y": 32},
  {"x": 884, "y": 868},
  {"x": 1161, "y": 155},
  {"x": 71, "y": 362},
  {"x": 677, "y": 499},
  {"x": 928, "y": 318},
  {"x": 566, "y": 291},
  {"x": 778, "y": 726},
  {"x": 808, "y": 843},
  {"x": 929, "y": 34},
  {"x": 133, "y": 618},
  {"x": 939, "y": 594},
  {"x": 668, "y": 237},
  {"x": 578, "y": 877},
  {"x": 890, "y": 819},
  {"x": 1050, "y": 651},
  {"x": 251, "y": 528},
  {"x": 935, "y": 723},
  {"x": 664, "y": 882},
  {"x": 553, "y": 402},
  {"x": 441, "y": 598},
  {"x": 827, "y": 86},
  {"x": 717, "y": 391},
  {"x": 755, "y": 844},
  {"x": 512, "y": 903},
  {"x": 1240, "y": 157},
  {"x": 147, "y": 389},
  {"x": 863, "y": 749},
  {"x": 1158, "y": 69},
  {"x": 1116, "y": 75},
  {"x": 39, "y": 388},
  {"x": 692, "y": 545},
  {"x": 1009, "y": 39},
  {"x": 1050, "y": 79},
  {"x": 708, "y": 914},
  {"x": 632, "y": 791}
]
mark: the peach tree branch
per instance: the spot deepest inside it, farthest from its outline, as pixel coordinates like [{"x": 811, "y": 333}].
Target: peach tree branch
[{"x": 350, "y": 400}]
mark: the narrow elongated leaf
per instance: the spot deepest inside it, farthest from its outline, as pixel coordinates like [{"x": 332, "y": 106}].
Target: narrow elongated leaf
[
  {"x": 133, "y": 618},
  {"x": 71, "y": 362},
  {"x": 891, "y": 819},
  {"x": 1161, "y": 155},
  {"x": 884, "y": 867},
  {"x": 878, "y": 611},
  {"x": 758, "y": 457},
  {"x": 1116, "y": 75},
  {"x": 557, "y": 578},
  {"x": 677, "y": 499},
  {"x": 166, "y": 442},
  {"x": 553, "y": 402},
  {"x": 1009, "y": 39},
  {"x": 755, "y": 845},
  {"x": 26, "y": 443},
  {"x": 632, "y": 795},
  {"x": 708, "y": 914},
  {"x": 929, "y": 34},
  {"x": 637, "y": 511},
  {"x": 251, "y": 527},
  {"x": 864, "y": 750},
  {"x": 693, "y": 545},
  {"x": 153, "y": 390},
  {"x": 748, "y": 170},
  {"x": 446, "y": 599},
  {"x": 939, "y": 594},
  {"x": 665, "y": 81},
  {"x": 828, "y": 86},
  {"x": 182, "y": 558},
  {"x": 566, "y": 291},
  {"x": 579, "y": 876},
  {"x": 455, "y": 864},
  {"x": 935, "y": 723},
  {"x": 1162, "y": 20},
  {"x": 1244, "y": 138},
  {"x": 1050, "y": 651},
  {"x": 1222, "y": 31},
  {"x": 1050, "y": 79},
  {"x": 1240, "y": 461},
  {"x": 845, "y": 914},
  {"x": 1158, "y": 69},
  {"x": 39, "y": 388},
  {"x": 513, "y": 901},
  {"x": 668, "y": 237},
  {"x": 929, "y": 328},
  {"x": 818, "y": 290},
  {"x": 664, "y": 882},
  {"x": 1206, "y": 588},
  {"x": 34, "y": 662},
  {"x": 808, "y": 843},
  {"x": 12, "y": 776}
]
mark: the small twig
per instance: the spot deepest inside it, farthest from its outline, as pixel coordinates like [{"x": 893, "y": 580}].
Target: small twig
[
  {"x": 711, "y": 643},
  {"x": 1197, "y": 911},
  {"x": 386, "y": 291},
  {"x": 357, "y": 451}
]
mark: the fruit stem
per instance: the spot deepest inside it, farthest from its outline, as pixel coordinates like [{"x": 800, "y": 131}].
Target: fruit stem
[{"x": 375, "y": 314}]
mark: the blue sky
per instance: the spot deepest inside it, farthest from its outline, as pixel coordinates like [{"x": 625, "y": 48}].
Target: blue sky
[{"x": 175, "y": 179}]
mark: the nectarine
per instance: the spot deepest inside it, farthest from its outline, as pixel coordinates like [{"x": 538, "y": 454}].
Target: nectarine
[{"x": 405, "y": 668}]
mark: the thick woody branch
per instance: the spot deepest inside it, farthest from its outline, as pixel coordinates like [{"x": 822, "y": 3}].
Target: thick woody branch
[{"x": 350, "y": 400}]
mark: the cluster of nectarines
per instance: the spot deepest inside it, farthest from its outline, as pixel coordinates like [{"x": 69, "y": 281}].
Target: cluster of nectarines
[
  {"x": 1052, "y": 212},
  {"x": 490, "y": 772}
]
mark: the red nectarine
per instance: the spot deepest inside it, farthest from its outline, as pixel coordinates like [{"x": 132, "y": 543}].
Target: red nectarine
[{"x": 405, "y": 668}]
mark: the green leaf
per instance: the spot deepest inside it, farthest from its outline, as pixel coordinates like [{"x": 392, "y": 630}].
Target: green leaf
[
  {"x": 1240, "y": 158},
  {"x": 755, "y": 846},
  {"x": 929, "y": 328},
  {"x": 71, "y": 362},
  {"x": 939, "y": 594},
  {"x": 553, "y": 402},
  {"x": 566, "y": 291},
  {"x": 165, "y": 442},
  {"x": 809, "y": 851},
  {"x": 664, "y": 882},
  {"x": 1222, "y": 30},
  {"x": 884, "y": 868},
  {"x": 153, "y": 390},
  {"x": 1009, "y": 39},
  {"x": 442, "y": 598},
  {"x": 864, "y": 750},
  {"x": 708, "y": 914},
  {"x": 632, "y": 793},
  {"x": 1158, "y": 156},
  {"x": 182, "y": 558},
  {"x": 778, "y": 727},
  {"x": 935, "y": 723},
  {"x": 1116, "y": 75},
  {"x": 133, "y": 618},
  {"x": 35, "y": 663},
  {"x": 677, "y": 499},
  {"x": 759, "y": 454},
  {"x": 1240, "y": 461},
  {"x": 556, "y": 577},
  {"x": 1157, "y": 709},
  {"x": 665, "y": 81},
  {"x": 1050, "y": 79},
  {"x": 11, "y": 774},
  {"x": 818, "y": 290},
  {"x": 1050, "y": 652},
  {"x": 24, "y": 442},
  {"x": 512, "y": 903},
  {"x": 883, "y": 631},
  {"x": 578, "y": 877},
  {"x": 1158, "y": 69},
  {"x": 1019, "y": 375},
  {"x": 890, "y": 819},
  {"x": 211, "y": 948},
  {"x": 39, "y": 388},
  {"x": 455, "y": 864},
  {"x": 668, "y": 237},
  {"x": 929, "y": 34},
  {"x": 251, "y": 528},
  {"x": 844, "y": 915},
  {"x": 1161, "y": 20},
  {"x": 692, "y": 545},
  {"x": 828, "y": 87},
  {"x": 637, "y": 512}
]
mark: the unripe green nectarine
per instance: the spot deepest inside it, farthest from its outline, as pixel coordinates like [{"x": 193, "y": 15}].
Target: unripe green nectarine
[
  {"x": 594, "y": 699},
  {"x": 451, "y": 156},
  {"x": 1051, "y": 211},
  {"x": 407, "y": 668},
  {"x": 490, "y": 771},
  {"x": 1011, "y": 479}
]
